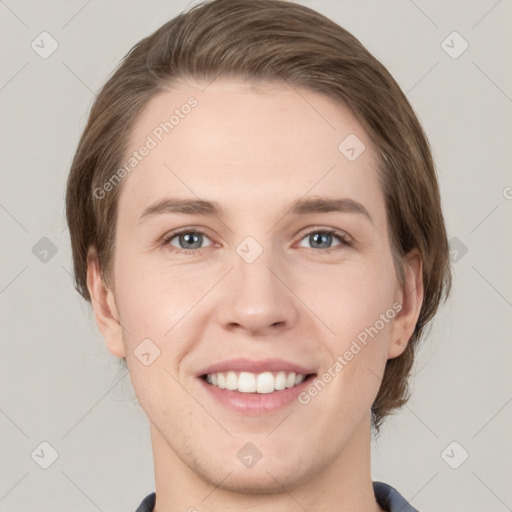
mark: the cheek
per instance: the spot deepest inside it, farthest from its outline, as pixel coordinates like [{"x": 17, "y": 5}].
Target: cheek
[
  {"x": 161, "y": 310},
  {"x": 358, "y": 306},
  {"x": 351, "y": 298},
  {"x": 151, "y": 297}
]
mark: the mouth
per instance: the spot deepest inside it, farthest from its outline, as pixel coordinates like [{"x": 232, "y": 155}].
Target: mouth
[
  {"x": 254, "y": 394},
  {"x": 256, "y": 383}
]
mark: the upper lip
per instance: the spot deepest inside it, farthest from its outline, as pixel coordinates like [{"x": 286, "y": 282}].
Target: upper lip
[{"x": 243, "y": 364}]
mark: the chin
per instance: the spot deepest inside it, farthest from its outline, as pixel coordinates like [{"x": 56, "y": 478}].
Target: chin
[{"x": 265, "y": 480}]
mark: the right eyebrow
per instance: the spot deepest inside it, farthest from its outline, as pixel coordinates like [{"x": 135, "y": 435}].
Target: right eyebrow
[{"x": 185, "y": 206}]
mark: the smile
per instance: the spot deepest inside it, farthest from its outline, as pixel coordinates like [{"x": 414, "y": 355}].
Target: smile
[
  {"x": 247, "y": 382},
  {"x": 255, "y": 394}
]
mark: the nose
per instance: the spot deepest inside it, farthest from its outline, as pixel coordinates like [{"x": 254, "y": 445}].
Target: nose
[{"x": 257, "y": 297}]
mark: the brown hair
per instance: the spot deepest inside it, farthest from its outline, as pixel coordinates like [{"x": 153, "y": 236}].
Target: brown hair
[{"x": 270, "y": 41}]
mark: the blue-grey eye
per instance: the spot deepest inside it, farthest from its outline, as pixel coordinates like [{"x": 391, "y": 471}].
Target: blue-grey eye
[
  {"x": 321, "y": 240},
  {"x": 189, "y": 240}
]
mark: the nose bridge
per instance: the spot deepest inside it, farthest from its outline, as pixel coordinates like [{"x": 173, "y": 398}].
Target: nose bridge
[{"x": 255, "y": 298}]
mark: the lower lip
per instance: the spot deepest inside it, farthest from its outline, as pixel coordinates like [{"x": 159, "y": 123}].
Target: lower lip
[{"x": 256, "y": 404}]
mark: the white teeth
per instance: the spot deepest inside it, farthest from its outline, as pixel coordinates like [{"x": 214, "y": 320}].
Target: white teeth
[
  {"x": 246, "y": 382},
  {"x": 231, "y": 380}
]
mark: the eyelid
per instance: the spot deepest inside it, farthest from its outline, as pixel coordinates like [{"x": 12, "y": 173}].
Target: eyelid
[{"x": 189, "y": 229}]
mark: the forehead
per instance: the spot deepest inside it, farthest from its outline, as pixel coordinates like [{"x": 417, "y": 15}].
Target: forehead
[{"x": 242, "y": 143}]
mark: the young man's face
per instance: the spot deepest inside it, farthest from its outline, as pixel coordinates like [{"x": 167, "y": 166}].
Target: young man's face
[{"x": 254, "y": 280}]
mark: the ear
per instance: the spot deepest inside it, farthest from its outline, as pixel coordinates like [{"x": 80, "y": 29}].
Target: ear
[
  {"x": 104, "y": 306},
  {"x": 410, "y": 296}
]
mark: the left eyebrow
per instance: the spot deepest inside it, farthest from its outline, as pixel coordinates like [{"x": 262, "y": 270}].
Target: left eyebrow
[{"x": 326, "y": 205}]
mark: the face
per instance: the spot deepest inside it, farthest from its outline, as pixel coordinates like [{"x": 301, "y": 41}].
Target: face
[{"x": 263, "y": 277}]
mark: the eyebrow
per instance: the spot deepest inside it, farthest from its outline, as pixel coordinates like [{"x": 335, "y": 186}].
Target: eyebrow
[
  {"x": 327, "y": 205},
  {"x": 302, "y": 206}
]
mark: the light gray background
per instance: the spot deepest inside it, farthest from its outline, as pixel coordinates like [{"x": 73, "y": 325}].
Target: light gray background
[{"x": 60, "y": 385}]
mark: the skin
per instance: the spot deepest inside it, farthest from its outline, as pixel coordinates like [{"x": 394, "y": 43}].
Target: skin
[{"x": 254, "y": 150}]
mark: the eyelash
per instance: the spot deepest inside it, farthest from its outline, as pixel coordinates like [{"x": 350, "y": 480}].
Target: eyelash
[{"x": 343, "y": 238}]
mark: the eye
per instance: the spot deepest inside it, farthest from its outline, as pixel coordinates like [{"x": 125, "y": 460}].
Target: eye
[
  {"x": 322, "y": 238},
  {"x": 192, "y": 241},
  {"x": 187, "y": 241}
]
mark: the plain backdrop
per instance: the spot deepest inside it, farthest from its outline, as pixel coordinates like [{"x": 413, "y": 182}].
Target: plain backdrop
[{"x": 448, "y": 450}]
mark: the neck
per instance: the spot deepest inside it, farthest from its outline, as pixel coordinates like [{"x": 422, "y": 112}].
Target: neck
[{"x": 336, "y": 481}]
